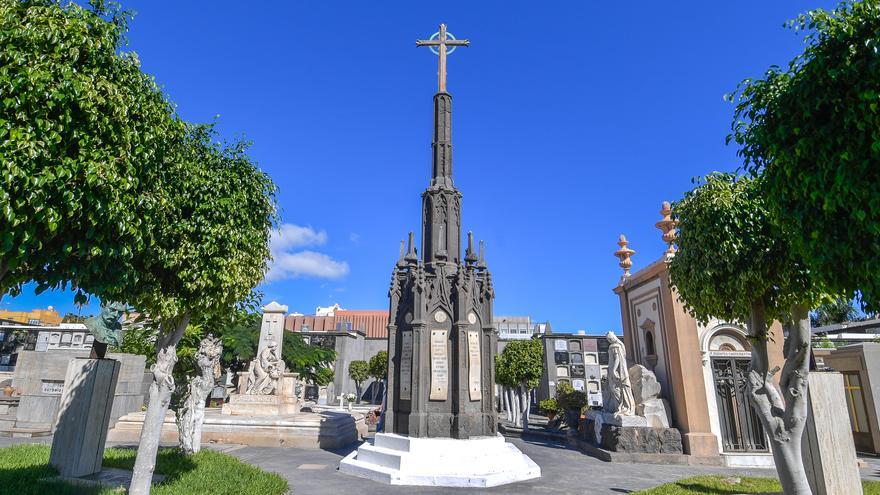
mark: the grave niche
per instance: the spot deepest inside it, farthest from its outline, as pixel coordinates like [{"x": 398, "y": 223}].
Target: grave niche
[{"x": 561, "y": 357}]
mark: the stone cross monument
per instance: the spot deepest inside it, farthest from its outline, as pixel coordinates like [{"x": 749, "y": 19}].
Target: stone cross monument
[
  {"x": 442, "y": 343},
  {"x": 440, "y": 421}
]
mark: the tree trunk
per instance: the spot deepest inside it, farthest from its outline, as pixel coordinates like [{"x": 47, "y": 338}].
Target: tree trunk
[
  {"x": 191, "y": 412},
  {"x": 160, "y": 396},
  {"x": 514, "y": 403},
  {"x": 782, "y": 415},
  {"x": 524, "y": 406},
  {"x": 505, "y": 404},
  {"x": 357, "y": 390}
]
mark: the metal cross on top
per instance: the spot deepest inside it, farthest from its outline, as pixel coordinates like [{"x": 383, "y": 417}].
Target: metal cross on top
[{"x": 441, "y": 39}]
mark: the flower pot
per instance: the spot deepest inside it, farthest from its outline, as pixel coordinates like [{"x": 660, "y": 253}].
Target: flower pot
[{"x": 572, "y": 417}]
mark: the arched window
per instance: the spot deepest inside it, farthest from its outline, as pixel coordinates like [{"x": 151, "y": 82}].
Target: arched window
[{"x": 649, "y": 344}]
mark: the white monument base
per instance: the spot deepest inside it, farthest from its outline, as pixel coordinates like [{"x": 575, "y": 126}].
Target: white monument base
[{"x": 475, "y": 462}]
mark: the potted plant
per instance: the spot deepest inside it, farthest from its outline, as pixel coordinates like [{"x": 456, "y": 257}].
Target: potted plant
[
  {"x": 550, "y": 407},
  {"x": 571, "y": 403}
]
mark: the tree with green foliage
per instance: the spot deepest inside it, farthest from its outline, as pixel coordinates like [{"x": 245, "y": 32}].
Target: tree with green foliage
[
  {"x": 209, "y": 248},
  {"x": 379, "y": 371},
  {"x": 323, "y": 376},
  {"x": 84, "y": 138},
  {"x": 734, "y": 263},
  {"x": 358, "y": 371},
  {"x": 838, "y": 310},
  {"x": 810, "y": 129},
  {"x": 306, "y": 359},
  {"x": 519, "y": 368}
]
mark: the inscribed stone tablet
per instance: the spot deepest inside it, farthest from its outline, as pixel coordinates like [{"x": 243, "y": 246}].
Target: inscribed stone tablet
[
  {"x": 439, "y": 366},
  {"x": 578, "y": 385},
  {"x": 577, "y": 370},
  {"x": 474, "y": 365},
  {"x": 406, "y": 353},
  {"x": 560, "y": 345}
]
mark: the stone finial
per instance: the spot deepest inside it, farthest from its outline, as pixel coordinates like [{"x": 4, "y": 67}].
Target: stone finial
[
  {"x": 624, "y": 254},
  {"x": 411, "y": 256},
  {"x": 667, "y": 226},
  {"x": 470, "y": 256}
]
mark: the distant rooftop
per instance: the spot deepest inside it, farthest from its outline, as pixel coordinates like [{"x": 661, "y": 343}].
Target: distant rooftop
[{"x": 372, "y": 323}]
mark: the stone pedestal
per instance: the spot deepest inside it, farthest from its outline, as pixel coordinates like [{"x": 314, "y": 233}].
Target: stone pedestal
[
  {"x": 828, "y": 449},
  {"x": 83, "y": 416},
  {"x": 474, "y": 462},
  {"x": 631, "y": 434},
  {"x": 284, "y": 403}
]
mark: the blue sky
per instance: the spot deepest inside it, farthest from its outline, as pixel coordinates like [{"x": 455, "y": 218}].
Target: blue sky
[{"x": 572, "y": 121}]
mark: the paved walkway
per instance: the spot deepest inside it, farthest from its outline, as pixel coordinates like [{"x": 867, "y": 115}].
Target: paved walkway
[{"x": 564, "y": 471}]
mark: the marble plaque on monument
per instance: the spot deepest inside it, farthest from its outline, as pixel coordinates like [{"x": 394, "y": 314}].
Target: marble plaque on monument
[
  {"x": 406, "y": 354},
  {"x": 474, "y": 365},
  {"x": 439, "y": 366},
  {"x": 577, "y": 370},
  {"x": 560, "y": 345},
  {"x": 593, "y": 371}
]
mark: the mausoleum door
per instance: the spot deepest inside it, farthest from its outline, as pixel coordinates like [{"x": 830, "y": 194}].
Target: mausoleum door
[{"x": 741, "y": 430}]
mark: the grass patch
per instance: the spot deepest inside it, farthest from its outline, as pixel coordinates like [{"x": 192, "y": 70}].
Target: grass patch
[
  {"x": 721, "y": 485},
  {"x": 22, "y": 467}
]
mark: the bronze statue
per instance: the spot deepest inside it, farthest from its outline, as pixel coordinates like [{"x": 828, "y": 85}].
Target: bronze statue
[{"x": 106, "y": 327}]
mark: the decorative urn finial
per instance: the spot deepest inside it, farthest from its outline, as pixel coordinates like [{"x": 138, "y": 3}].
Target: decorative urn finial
[
  {"x": 667, "y": 226},
  {"x": 624, "y": 254}
]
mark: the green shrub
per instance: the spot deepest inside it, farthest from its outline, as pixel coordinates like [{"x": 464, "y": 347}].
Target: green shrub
[{"x": 550, "y": 405}]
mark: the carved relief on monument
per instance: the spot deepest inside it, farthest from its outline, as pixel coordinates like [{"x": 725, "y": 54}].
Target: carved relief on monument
[{"x": 647, "y": 325}]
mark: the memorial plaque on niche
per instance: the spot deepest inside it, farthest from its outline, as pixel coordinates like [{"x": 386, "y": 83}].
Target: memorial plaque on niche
[
  {"x": 577, "y": 370},
  {"x": 560, "y": 345},
  {"x": 578, "y": 385},
  {"x": 561, "y": 357},
  {"x": 52, "y": 387},
  {"x": 474, "y": 364},
  {"x": 406, "y": 354},
  {"x": 593, "y": 371},
  {"x": 439, "y": 366}
]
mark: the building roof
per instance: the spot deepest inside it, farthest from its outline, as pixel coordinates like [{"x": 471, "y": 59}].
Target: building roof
[
  {"x": 864, "y": 326},
  {"x": 372, "y": 323}
]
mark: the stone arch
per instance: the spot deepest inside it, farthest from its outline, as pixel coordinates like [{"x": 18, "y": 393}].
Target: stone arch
[{"x": 725, "y": 337}]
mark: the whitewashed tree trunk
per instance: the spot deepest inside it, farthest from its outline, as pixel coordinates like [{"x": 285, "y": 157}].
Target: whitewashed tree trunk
[
  {"x": 524, "y": 406},
  {"x": 514, "y": 403},
  {"x": 160, "y": 397},
  {"x": 191, "y": 413},
  {"x": 505, "y": 404},
  {"x": 784, "y": 415}
]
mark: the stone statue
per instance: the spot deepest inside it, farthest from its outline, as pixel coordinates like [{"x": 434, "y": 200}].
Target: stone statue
[
  {"x": 266, "y": 370},
  {"x": 620, "y": 400},
  {"x": 191, "y": 412},
  {"x": 106, "y": 327}
]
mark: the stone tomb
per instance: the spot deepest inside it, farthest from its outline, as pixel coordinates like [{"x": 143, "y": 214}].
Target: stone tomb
[
  {"x": 83, "y": 417},
  {"x": 265, "y": 410}
]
